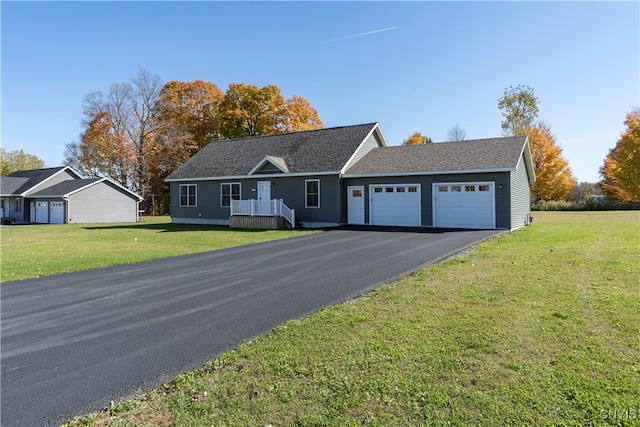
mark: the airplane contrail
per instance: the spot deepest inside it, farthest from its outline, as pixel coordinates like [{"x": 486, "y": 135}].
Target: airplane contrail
[{"x": 363, "y": 34}]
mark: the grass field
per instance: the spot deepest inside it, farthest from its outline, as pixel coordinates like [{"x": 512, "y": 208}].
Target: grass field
[
  {"x": 29, "y": 251},
  {"x": 536, "y": 327}
]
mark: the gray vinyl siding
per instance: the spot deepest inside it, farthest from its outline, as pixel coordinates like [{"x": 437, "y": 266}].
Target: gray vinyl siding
[
  {"x": 502, "y": 195},
  {"x": 520, "y": 196},
  {"x": 64, "y": 175},
  {"x": 290, "y": 189},
  {"x": 10, "y": 209},
  {"x": 267, "y": 168},
  {"x": 101, "y": 203},
  {"x": 373, "y": 141}
]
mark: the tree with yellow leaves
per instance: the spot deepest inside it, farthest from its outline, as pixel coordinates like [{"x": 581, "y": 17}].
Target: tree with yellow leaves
[
  {"x": 249, "y": 110},
  {"x": 621, "y": 169},
  {"x": 417, "y": 138},
  {"x": 554, "y": 179},
  {"x": 18, "y": 160}
]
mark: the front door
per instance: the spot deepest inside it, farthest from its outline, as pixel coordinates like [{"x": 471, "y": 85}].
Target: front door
[
  {"x": 264, "y": 198},
  {"x": 355, "y": 204}
]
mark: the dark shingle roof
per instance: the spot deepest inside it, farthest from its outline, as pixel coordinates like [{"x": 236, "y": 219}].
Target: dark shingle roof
[
  {"x": 65, "y": 187},
  {"x": 32, "y": 178},
  {"x": 10, "y": 184},
  {"x": 479, "y": 154},
  {"x": 321, "y": 150}
]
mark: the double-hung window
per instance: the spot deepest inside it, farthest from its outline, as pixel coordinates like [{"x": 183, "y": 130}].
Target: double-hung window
[
  {"x": 229, "y": 191},
  {"x": 312, "y": 193},
  {"x": 188, "y": 195}
]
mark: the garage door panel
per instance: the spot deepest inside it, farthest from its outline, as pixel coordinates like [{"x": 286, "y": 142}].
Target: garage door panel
[
  {"x": 464, "y": 205},
  {"x": 395, "y": 204},
  {"x": 57, "y": 213}
]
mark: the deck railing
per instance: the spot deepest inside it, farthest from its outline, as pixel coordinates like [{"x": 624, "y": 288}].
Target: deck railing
[{"x": 275, "y": 207}]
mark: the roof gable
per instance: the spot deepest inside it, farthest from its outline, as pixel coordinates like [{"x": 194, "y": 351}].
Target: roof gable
[
  {"x": 67, "y": 188},
  {"x": 307, "y": 152},
  {"x": 270, "y": 165},
  {"x": 494, "y": 154},
  {"x": 37, "y": 177}
]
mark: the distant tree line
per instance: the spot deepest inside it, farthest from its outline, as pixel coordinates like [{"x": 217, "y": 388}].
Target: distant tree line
[
  {"x": 139, "y": 131},
  {"x": 556, "y": 188}
]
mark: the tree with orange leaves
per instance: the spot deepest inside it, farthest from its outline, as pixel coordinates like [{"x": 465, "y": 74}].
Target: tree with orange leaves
[
  {"x": 554, "y": 179},
  {"x": 621, "y": 169},
  {"x": 300, "y": 115}
]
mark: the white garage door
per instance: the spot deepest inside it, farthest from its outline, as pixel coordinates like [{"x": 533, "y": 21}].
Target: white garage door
[
  {"x": 42, "y": 212},
  {"x": 395, "y": 204},
  {"x": 57, "y": 213},
  {"x": 464, "y": 205}
]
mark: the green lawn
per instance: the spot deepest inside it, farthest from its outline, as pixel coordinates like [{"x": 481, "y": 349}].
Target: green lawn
[
  {"x": 536, "y": 327},
  {"x": 29, "y": 251}
]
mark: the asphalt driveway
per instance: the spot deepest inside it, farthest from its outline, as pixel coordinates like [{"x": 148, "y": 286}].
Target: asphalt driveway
[{"x": 74, "y": 342}]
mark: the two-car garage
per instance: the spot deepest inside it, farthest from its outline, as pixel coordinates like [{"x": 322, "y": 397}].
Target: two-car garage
[
  {"x": 453, "y": 204},
  {"x": 43, "y": 212}
]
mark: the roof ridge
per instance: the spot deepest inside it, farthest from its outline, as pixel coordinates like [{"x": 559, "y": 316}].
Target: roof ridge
[
  {"x": 499, "y": 138},
  {"x": 297, "y": 132},
  {"x": 39, "y": 170}
]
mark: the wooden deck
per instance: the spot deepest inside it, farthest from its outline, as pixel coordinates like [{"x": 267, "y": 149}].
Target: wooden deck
[{"x": 259, "y": 222}]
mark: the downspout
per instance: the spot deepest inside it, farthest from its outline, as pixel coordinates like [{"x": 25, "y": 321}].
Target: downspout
[{"x": 67, "y": 204}]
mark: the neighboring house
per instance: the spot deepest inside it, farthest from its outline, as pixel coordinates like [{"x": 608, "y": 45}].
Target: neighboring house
[
  {"x": 60, "y": 195},
  {"x": 349, "y": 175}
]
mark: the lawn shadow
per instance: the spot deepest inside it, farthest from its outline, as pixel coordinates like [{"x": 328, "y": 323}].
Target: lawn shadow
[{"x": 169, "y": 227}]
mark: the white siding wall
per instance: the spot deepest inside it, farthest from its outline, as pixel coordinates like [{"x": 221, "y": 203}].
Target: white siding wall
[{"x": 102, "y": 203}]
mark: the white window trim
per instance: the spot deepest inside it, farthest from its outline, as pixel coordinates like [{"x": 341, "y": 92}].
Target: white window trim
[
  {"x": 230, "y": 184},
  {"x": 195, "y": 186},
  {"x": 306, "y": 193}
]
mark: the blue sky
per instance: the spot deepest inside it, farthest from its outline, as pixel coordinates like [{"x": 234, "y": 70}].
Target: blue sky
[{"x": 437, "y": 64}]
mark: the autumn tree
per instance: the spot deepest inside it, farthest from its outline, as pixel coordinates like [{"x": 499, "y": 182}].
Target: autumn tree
[
  {"x": 620, "y": 172},
  {"x": 18, "y": 160},
  {"x": 120, "y": 118},
  {"x": 103, "y": 151},
  {"x": 139, "y": 131},
  {"x": 417, "y": 138},
  {"x": 299, "y": 115},
  {"x": 248, "y": 110},
  {"x": 456, "y": 133},
  {"x": 186, "y": 118},
  {"x": 519, "y": 107},
  {"x": 554, "y": 179}
]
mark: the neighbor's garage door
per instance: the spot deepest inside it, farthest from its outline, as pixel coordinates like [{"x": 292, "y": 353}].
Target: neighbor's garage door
[
  {"x": 42, "y": 212},
  {"x": 395, "y": 205},
  {"x": 57, "y": 213},
  {"x": 464, "y": 205}
]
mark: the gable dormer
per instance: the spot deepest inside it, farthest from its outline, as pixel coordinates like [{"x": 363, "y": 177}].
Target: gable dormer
[{"x": 270, "y": 165}]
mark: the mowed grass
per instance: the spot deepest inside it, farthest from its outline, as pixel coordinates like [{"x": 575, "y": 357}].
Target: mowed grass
[
  {"x": 536, "y": 327},
  {"x": 29, "y": 251}
]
